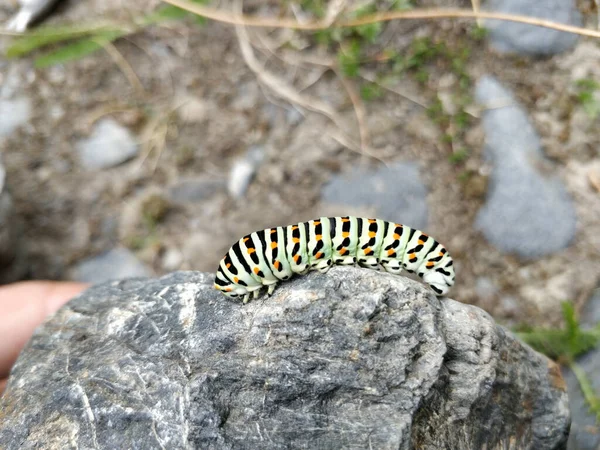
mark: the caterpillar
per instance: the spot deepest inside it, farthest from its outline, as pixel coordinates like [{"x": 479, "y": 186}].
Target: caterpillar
[{"x": 266, "y": 257}]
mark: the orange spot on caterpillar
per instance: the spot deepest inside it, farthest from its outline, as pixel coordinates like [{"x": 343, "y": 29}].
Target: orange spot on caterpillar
[
  {"x": 273, "y": 244},
  {"x": 441, "y": 254},
  {"x": 236, "y": 279},
  {"x": 412, "y": 256},
  {"x": 391, "y": 252},
  {"x": 343, "y": 251},
  {"x": 429, "y": 264},
  {"x": 227, "y": 289},
  {"x": 345, "y": 220},
  {"x": 420, "y": 242},
  {"x": 396, "y": 236},
  {"x": 319, "y": 255},
  {"x": 296, "y": 258},
  {"x": 228, "y": 265},
  {"x": 295, "y": 240},
  {"x": 371, "y": 220},
  {"x": 317, "y": 222},
  {"x": 294, "y": 227},
  {"x": 273, "y": 230},
  {"x": 251, "y": 250},
  {"x": 372, "y": 234},
  {"x": 256, "y": 270},
  {"x": 368, "y": 251},
  {"x": 318, "y": 237},
  {"x": 345, "y": 234},
  {"x": 246, "y": 239},
  {"x": 277, "y": 265}
]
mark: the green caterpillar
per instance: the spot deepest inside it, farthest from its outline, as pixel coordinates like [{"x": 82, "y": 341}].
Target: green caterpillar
[{"x": 266, "y": 257}]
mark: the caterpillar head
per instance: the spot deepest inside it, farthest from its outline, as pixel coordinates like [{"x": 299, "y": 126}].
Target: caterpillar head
[
  {"x": 227, "y": 287},
  {"x": 440, "y": 282}
]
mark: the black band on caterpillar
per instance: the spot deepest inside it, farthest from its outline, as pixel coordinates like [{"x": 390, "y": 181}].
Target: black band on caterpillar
[{"x": 266, "y": 257}]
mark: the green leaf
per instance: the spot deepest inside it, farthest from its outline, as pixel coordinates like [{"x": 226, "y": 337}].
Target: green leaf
[
  {"x": 349, "y": 59},
  {"x": 459, "y": 156},
  {"x": 568, "y": 342},
  {"x": 165, "y": 13},
  {"x": 77, "y": 49},
  {"x": 370, "y": 91},
  {"x": 45, "y": 36},
  {"x": 590, "y": 396}
]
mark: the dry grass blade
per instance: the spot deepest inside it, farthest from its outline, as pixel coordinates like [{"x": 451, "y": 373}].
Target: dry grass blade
[
  {"x": 594, "y": 179},
  {"x": 436, "y": 13},
  {"x": 125, "y": 67},
  {"x": 476, "y": 6},
  {"x": 288, "y": 93}
]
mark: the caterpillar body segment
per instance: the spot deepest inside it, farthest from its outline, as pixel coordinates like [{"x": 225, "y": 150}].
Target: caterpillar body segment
[{"x": 266, "y": 257}]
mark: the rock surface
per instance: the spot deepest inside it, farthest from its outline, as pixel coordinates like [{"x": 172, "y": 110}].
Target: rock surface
[
  {"x": 110, "y": 144},
  {"x": 350, "y": 359},
  {"x": 526, "y": 212},
  {"x": 397, "y": 193},
  {"x": 513, "y": 37}
]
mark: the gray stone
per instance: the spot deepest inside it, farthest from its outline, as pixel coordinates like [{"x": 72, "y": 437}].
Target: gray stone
[
  {"x": 110, "y": 144},
  {"x": 194, "y": 190},
  {"x": 396, "y": 192},
  {"x": 526, "y": 212},
  {"x": 243, "y": 170},
  {"x": 115, "y": 264},
  {"x": 520, "y": 38},
  {"x": 14, "y": 113},
  {"x": 348, "y": 359},
  {"x": 585, "y": 428}
]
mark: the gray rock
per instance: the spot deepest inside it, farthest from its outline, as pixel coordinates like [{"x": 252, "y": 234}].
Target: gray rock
[
  {"x": 396, "y": 192},
  {"x": 110, "y": 144},
  {"x": 585, "y": 429},
  {"x": 513, "y": 37},
  {"x": 243, "y": 170},
  {"x": 349, "y": 359},
  {"x": 14, "y": 113},
  {"x": 115, "y": 264},
  {"x": 526, "y": 212},
  {"x": 194, "y": 190}
]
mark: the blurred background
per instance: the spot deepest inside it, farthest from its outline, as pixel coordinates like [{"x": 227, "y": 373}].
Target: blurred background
[{"x": 139, "y": 139}]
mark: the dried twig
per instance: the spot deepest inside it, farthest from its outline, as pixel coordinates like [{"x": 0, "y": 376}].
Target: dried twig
[
  {"x": 594, "y": 179},
  {"x": 436, "y": 13},
  {"x": 124, "y": 65},
  {"x": 287, "y": 92},
  {"x": 476, "y": 6},
  {"x": 359, "y": 109}
]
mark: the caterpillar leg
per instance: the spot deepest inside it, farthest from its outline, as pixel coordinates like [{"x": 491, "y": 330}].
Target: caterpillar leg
[
  {"x": 271, "y": 289},
  {"x": 346, "y": 261},
  {"x": 392, "y": 266},
  {"x": 323, "y": 266},
  {"x": 369, "y": 263}
]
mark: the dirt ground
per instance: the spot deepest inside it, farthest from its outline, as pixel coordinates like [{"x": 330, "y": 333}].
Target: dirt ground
[{"x": 199, "y": 107}]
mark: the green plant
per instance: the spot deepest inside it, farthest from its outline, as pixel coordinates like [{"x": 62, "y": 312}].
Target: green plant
[
  {"x": 565, "y": 345},
  {"x": 588, "y": 97},
  {"x": 64, "y": 43}
]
